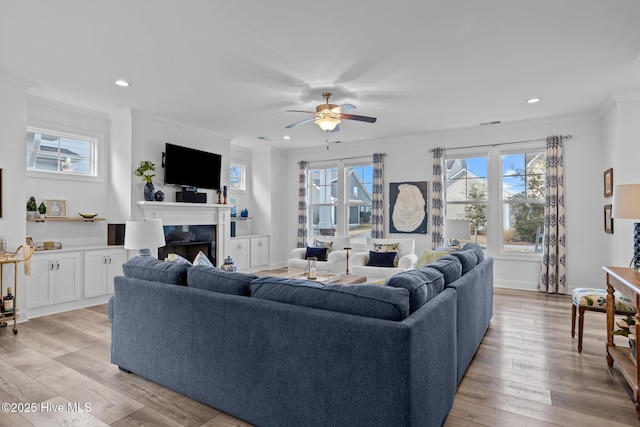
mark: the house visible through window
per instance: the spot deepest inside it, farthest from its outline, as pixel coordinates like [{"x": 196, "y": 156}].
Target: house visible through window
[
  {"x": 60, "y": 153},
  {"x": 345, "y": 212},
  {"x": 237, "y": 176},
  {"x": 512, "y": 217}
]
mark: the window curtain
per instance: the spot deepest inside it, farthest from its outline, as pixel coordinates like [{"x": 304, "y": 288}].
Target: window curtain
[
  {"x": 553, "y": 275},
  {"x": 437, "y": 212},
  {"x": 377, "y": 201},
  {"x": 302, "y": 204}
]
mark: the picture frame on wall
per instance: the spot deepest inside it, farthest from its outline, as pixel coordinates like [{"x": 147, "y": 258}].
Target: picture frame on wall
[
  {"x": 608, "y": 182},
  {"x": 608, "y": 219},
  {"x": 56, "y": 208}
]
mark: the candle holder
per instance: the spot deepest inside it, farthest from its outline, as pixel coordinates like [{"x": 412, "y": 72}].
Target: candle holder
[
  {"x": 347, "y": 249},
  {"x": 310, "y": 269},
  {"x": 219, "y": 197}
]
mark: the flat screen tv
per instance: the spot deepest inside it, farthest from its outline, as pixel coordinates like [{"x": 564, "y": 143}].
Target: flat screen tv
[{"x": 189, "y": 167}]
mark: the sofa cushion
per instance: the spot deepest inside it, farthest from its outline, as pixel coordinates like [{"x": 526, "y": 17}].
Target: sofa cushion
[
  {"x": 449, "y": 266},
  {"x": 154, "y": 270},
  {"x": 382, "y": 259},
  {"x": 476, "y": 248},
  {"x": 217, "y": 280},
  {"x": 320, "y": 253},
  {"x": 382, "y": 302},
  {"x": 468, "y": 259},
  {"x": 422, "y": 285}
]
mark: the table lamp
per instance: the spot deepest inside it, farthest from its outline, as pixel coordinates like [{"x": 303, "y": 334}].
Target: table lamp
[
  {"x": 456, "y": 229},
  {"x": 143, "y": 235},
  {"x": 626, "y": 204}
]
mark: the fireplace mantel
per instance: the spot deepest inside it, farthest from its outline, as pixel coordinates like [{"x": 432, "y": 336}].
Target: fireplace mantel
[{"x": 175, "y": 213}]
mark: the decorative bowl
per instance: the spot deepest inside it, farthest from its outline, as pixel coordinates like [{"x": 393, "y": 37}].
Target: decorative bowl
[{"x": 88, "y": 215}]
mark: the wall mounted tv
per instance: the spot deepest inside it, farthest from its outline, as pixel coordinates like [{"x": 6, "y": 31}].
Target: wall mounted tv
[{"x": 189, "y": 167}]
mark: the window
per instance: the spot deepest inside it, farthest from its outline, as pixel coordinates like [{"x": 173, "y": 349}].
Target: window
[
  {"x": 61, "y": 154},
  {"x": 340, "y": 200},
  {"x": 237, "y": 176},
  {"x": 501, "y": 195},
  {"x": 523, "y": 201}
]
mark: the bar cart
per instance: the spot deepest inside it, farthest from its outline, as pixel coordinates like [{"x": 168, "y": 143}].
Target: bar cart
[{"x": 21, "y": 256}]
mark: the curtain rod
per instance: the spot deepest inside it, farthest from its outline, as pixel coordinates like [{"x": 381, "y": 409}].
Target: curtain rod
[
  {"x": 503, "y": 143},
  {"x": 344, "y": 158}
]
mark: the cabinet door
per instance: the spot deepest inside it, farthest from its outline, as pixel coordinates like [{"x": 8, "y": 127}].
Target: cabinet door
[
  {"x": 259, "y": 251},
  {"x": 94, "y": 273},
  {"x": 66, "y": 274},
  {"x": 39, "y": 290},
  {"x": 115, "y": 259},
  {"x": 239, "y": 251}
]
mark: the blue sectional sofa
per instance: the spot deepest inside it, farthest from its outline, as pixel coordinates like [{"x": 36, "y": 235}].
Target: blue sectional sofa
[{"x": 282, "y": 352}]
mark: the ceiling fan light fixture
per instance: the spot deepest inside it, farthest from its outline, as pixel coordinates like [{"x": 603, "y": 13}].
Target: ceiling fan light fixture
[{"x": 327, "y": 123}]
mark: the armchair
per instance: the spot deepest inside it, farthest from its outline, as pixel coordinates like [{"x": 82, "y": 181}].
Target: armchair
[
  {"x": 336, "y": 262},
  {"x": 406, "y": 254}
]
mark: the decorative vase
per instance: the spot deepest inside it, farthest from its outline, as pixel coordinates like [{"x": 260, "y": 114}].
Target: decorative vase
[
  {"x": 148, "y": 191},
  {"x": 159, "y": 196},
  {"x": 229, "y": 264}
]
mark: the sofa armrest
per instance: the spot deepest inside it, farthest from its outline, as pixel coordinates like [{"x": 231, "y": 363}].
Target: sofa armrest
[
  {"x": 361, "y": 258},
  {"x": 336, "y": 256},
  {"x": 408, "y": 261},
  {"x": 298, "y": 253}
]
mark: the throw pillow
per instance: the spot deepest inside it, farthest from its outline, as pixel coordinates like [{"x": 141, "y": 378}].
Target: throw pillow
[
  {"x": 323, "y": 244},
  {"x": 388, "y": 247},
  {"x": 177, "y": 258},
  {"x": 382, "y": 259},
  {"x": 202, "y": 259},
  {"x": 320, "y": 253}
]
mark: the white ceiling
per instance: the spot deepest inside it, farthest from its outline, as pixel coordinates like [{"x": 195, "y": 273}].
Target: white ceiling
[{"x": 235, "y": 66}]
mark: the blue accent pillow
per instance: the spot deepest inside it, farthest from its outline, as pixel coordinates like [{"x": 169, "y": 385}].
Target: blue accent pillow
[
  {"x": 449, "y": 266},
  {"x": 382, "y": 302},
  {"x": 154, "y": 270},
  {"x": 468, "y": 259},
  {"x": 217, "y": 280},
  {"x": 382, "y": 259},
  {"x": 320, "y": 253},
  {"x": 422, "y": 284}
]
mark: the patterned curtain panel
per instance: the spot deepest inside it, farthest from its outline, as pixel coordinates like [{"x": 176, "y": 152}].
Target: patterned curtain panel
[
  {"x": 437, "y": 213},
  {"x": 553, "y": 277},
  {"x": 302, "y": 204},
  {"x": 377, "y": 202}
]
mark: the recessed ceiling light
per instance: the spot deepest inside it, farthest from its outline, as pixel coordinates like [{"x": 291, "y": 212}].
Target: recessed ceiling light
[
  {"x": 533, "y": 100},
  {"x": 286, "y": 137},
  {"x": 123, "y": 83}
]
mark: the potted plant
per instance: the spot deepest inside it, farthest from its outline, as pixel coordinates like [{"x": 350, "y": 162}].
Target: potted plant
[
  {"x": 626, "y": 331},
  {"x": 32, "y": 207},
  {"x": 146, "y": 170},
  {"x": 42, "y": 209}
]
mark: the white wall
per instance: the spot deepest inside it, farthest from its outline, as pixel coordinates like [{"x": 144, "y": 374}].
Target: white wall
[
  {"x": 408, "y": 159},
  {"x": 621, "y": 136}
]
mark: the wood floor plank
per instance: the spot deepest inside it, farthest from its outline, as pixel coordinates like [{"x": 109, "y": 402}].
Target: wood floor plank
[{"x": 57, "y": 412}]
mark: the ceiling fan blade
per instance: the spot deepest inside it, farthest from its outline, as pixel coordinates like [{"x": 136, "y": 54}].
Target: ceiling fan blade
[
  {"x": 301, "y": 122},
  {"x": 336, "y": 129},
  {"x": 358, "y": 118},
  {"x": 299, "y": 111},
  {"x": 347, "y": 107}
]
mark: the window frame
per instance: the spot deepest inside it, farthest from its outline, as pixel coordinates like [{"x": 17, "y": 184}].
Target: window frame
[
  {"x": 495, "y": 201},
  {"x": 96, "y": 141},
  {"x": 243, "y": 176}
]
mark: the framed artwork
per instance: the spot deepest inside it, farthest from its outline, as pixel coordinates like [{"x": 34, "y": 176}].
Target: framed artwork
[
  {"x": 56, "y": 208},
  {"x": 608, "y": 182},
  {"x": 608, "y": 220},
  {"x": 408, "y": 207}
]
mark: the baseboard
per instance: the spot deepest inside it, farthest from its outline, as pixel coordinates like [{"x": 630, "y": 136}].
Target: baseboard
[
  {"x": 523, "y": 285},
  {"x": 34, "y": 313}
]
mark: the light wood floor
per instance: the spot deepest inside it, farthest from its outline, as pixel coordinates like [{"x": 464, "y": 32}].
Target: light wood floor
[{"x": 527, "y": 372}]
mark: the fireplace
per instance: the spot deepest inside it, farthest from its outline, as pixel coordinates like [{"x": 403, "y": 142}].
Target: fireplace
[{"x": 188, "y": 240}]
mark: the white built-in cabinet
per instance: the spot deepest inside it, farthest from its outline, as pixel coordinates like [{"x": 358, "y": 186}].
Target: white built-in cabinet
[
  {"x": 250, "y": 251},
  {"x": 100, "y": 267},
  {"x": 259, "y": 251},
  {"x": 55, "y": 278}
]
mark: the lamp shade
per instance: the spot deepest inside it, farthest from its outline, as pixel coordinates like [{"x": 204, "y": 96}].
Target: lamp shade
[
  {"x": 327, "y": 123},
  {"x": 457, "y": 229},
  {"x": 144, "y": 234},
  {"x": 626, "y": 201}
]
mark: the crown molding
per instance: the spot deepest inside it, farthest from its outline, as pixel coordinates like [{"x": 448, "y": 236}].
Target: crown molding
[
  {"x": 153, "y": 116},
  {"x": 32, "y": 99},
  {"x": 16, "y": 81}
]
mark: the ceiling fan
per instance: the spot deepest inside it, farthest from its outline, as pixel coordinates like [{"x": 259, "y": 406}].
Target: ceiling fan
[{"x": 328, "y": 116}]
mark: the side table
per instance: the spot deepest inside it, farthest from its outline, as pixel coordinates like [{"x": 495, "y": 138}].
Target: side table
[{"x": 626, "y": 281}]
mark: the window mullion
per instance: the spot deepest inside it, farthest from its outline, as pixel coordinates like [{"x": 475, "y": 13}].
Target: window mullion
[{"x": 494, "y": 201}]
